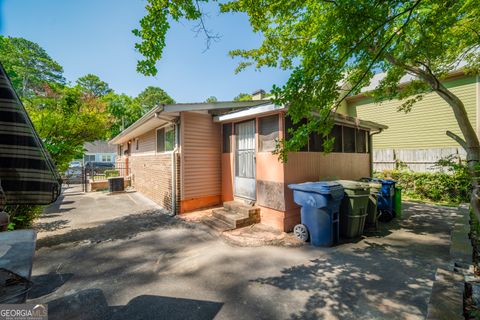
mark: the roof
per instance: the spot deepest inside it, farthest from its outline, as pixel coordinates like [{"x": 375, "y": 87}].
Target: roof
[
  {"x": 272, "y": 108},
  {"x": 99, "y": 146},
  {"x": 165, "y": 114}
]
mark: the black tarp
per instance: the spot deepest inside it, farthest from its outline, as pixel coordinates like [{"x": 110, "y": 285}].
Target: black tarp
[{"x": 27, "y": 173}]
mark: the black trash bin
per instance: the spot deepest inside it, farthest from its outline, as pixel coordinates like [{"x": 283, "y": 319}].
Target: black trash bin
[{"x": 116, "y": 184}]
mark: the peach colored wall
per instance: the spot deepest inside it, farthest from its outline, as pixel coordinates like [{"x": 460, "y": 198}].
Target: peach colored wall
[
  {"x": 227, "y": 176},
  {"x": 269, "y": 168}
]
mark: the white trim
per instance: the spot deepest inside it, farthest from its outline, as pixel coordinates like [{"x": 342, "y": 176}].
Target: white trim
[
  {"x": 248, "y": 112},
  {"x": 167, "y": 127}
]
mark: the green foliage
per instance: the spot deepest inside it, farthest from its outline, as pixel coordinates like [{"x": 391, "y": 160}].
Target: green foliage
[
  {"x": 28, "y": 66},
  {"x": 93, "y": 85},
  {"x": 122, "y": 111},
  {"x": 211, "y": 99},
  {"x": 22, "y": 216},
  {"x": 452, "y": 186},
  {"x": 328, "y": 43},
  {"x": 243, "y": 97},
  {"x": 152, "y": 97},
  {"x": 111, "y": 173},
  {"x": 65, "y": 119}
]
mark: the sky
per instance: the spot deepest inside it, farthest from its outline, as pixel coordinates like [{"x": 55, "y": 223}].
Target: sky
[{"x": 94, "y": 36}]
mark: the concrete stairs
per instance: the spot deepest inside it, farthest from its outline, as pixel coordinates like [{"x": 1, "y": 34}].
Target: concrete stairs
[{"x": 233, "y": 215}]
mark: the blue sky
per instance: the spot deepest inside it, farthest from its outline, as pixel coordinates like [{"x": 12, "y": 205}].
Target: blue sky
[{"x": 94, "y": 36}]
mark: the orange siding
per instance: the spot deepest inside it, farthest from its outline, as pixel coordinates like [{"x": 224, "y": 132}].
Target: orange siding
[{"x": 201, "y": 153}]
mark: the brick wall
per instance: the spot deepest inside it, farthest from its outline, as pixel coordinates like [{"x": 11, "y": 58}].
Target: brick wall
[{"x": 152, "y": 176}]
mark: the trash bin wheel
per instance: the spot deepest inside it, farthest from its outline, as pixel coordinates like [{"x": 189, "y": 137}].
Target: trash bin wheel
[
  {"x": 301, "y": 232},
  {"x": 386, "y": 216}
]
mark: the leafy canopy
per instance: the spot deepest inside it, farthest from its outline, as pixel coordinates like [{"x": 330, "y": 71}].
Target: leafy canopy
[
  {"x": 334, "y": 47},
  {"x": 152, "y": 97},
  {"x": 28, "y": 66},
  {"x": 91, "y": 84},
  {"x": 243, "y": 97}
]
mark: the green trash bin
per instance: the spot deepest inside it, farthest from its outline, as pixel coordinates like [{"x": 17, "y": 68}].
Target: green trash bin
[
  {"x": 397, "y": 202},
  {"x": 353, "y": 209},
  {"x": 372, "y": 210}
]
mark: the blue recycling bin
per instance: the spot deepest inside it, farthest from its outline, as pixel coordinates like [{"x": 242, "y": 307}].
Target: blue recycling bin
[
  {"x": 320, "y": 202},
  {"x": 385, "y": 198}
]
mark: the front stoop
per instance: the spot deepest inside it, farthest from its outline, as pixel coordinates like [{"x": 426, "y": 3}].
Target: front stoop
[{"x": 233, "y": 215}]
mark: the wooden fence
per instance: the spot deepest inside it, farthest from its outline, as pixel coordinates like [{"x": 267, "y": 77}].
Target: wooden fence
[{"x": 417, "y": 160}]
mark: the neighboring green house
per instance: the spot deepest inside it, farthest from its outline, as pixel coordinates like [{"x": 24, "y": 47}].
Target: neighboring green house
[{"x": 417, "y": 138}]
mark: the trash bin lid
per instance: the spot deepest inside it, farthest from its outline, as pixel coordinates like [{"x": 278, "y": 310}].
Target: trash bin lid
[
  {"x": 388, "y": 182},
  {"x": 353, "y": 185},
  {"x": 321, "y": 187}
]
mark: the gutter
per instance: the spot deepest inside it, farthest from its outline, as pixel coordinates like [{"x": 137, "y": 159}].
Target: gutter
[
  {"x": 371, "y": 149},
  {"x": 147, "y": 116},
  {"x": 174, "y": 172}
]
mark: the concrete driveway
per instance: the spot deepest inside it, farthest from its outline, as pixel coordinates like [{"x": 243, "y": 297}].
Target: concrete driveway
[{"x": 121, "y": 257}]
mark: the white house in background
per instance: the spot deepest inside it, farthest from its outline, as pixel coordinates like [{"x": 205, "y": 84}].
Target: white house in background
[{"x": 99, "y": 151}]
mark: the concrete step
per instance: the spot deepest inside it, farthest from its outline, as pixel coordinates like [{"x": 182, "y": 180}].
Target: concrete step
[
  {"x": 241, "y": 208},
  {"x": 216, "y": 224},
  {"x": 234, "y": 219}
]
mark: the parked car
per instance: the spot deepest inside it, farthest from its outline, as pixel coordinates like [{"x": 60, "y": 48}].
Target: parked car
[{"x": 75, "y": 164}]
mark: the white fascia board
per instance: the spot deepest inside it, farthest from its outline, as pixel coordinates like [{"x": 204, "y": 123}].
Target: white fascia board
[{"x": 248, "y": 112}]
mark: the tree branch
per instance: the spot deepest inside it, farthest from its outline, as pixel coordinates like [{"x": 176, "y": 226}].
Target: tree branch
[{"x": 459, "y": 140}]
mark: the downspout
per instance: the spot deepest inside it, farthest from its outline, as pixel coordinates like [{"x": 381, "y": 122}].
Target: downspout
[
  {"x": 371, "y": 150},
  {"x": 174, "y": 172}
]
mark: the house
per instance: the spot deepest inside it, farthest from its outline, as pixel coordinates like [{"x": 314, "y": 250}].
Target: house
[
  {"x": 417, "y": 138},
  {"x": 192, "y": 155},
  {"x": 99, "y": 151}
]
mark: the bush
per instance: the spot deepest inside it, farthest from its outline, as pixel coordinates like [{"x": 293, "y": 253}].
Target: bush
[
  {"x": 111, "y": 173},
  {"x": 22, "y": 216},
  {"x": 452, "y": 186}
]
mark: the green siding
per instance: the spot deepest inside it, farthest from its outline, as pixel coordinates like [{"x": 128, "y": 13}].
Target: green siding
[{"x": 425, "y": 125}]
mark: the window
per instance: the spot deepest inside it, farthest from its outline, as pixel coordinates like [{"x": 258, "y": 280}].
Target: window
[
  {"x": 89, "y": 157},
  {"x": 136, "y": 144},
  {"x": 289, "y": 124},
  {"x": 165, "y": 139},
  {"x": 119, "y": 150},
  {"x": 361, "y": 141},
  {"x": 337, "y": 134},
  {"x": 106, "y": 158},
  {"x": 268, "y": 133},
  {"x": 348, "y": 139},
  {"x": 227, "y": 137}
]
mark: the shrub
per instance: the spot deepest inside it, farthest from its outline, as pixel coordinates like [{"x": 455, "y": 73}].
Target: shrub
[
  {"x": 22, "y": 216},
  {"x": 111, "y": 173}
]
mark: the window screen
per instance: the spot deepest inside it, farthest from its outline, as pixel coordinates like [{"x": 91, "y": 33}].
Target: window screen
[
  {"x": 289, "y": 124},
  {"x": 337, "y": 134},
  {"x": 316, "y": 142},
  {"x": 161, "y": 140},
  {"x": 227, "y": 135},
  {"x": 361, "y": 141},
  {"x": 348, "y": 139},
  {"x": 169, "y": 139},
  {"x": 268, "y": 133}
]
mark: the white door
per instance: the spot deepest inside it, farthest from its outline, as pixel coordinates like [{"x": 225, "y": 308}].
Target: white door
[{"x": 245, "y": 185}]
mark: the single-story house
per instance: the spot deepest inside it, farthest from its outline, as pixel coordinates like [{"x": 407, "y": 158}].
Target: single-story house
[
  {"x": 99, "y": 151},
  {"x": 417, "y": 138},
  {"x": 188, "y": 156}
]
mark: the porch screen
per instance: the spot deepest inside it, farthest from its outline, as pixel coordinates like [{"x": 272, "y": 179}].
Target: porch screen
[{"x": 268, "y": 133}]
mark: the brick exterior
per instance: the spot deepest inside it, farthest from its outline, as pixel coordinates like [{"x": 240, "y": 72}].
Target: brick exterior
[{"x": 152, "y": 176}]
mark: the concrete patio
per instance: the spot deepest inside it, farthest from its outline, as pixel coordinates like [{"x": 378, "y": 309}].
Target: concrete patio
[{"x": 121, "y": 257}]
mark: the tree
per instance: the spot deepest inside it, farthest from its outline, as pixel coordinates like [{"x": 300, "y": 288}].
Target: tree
[
  {"x": 65, "y": 119},
  {"x": 122, "y": 110},
  {"x": 211, "y": 99},
  {"x": 327, "y": 43},
  {"x": 152, "y": 97},
  {"x": 93, "y": 85},
  {"x": 243, "y": 97},
  {"x": 28, "y": 66}
]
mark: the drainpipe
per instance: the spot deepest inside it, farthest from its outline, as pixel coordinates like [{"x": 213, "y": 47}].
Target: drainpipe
[
  {"x": 174, "y": 172},
  {"x": 371, "y": 150}
]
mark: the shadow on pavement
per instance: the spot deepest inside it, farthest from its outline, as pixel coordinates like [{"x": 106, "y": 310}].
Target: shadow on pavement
[
  {"x": 124, "y": 227},
  {"x": 47, "y": 283},
  {"x": 92, "y": 304}
]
